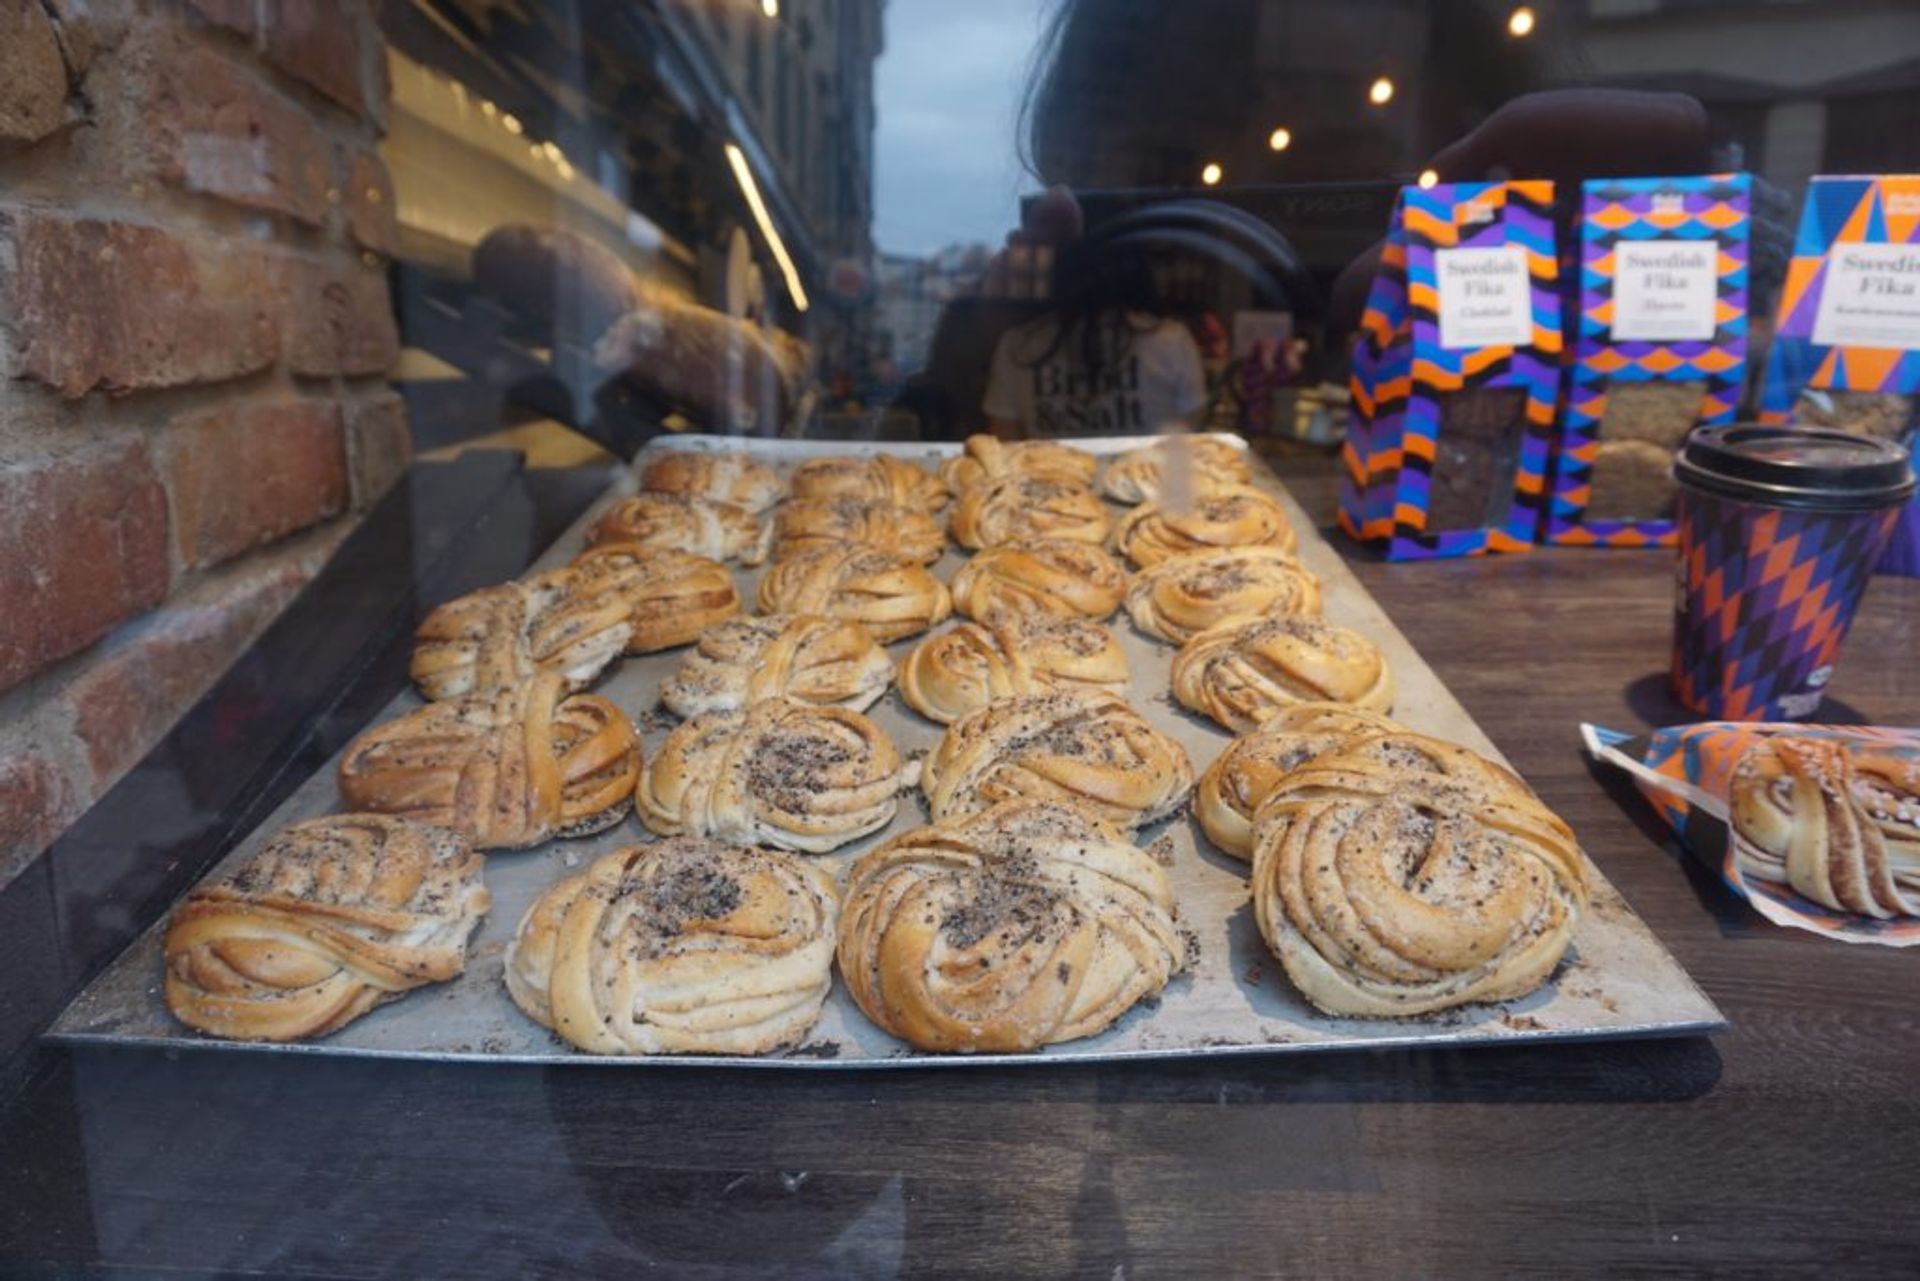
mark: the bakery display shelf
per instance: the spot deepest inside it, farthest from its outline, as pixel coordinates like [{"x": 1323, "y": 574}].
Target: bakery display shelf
[{"x": 1617, "y": 981}]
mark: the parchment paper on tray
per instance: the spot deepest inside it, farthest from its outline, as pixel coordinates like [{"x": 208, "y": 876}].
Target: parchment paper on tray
[{"x": 1804, "y": 822}]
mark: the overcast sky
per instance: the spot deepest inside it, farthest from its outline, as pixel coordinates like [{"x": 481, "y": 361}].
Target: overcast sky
[{"x": 948, "y": 86}]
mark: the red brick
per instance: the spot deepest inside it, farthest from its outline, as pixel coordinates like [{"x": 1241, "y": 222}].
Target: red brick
[
  {"x": 36, "y": 801},
  {"x": 246, "y": 474},
  {"x": 33, "y": 76},
  {"x": 324, "y": 45},
  {"x": 83, "y": 544},
  {"x": 215, "y": 128},
  {"x": 367, "y": 191},
  {"x": 159, "y": 666},
  {"x": 336, "y": 318},
  {"x": 234, "y": 15},
  {"x": 380, "y": 444},
  {"x": 123, "y": 306}
]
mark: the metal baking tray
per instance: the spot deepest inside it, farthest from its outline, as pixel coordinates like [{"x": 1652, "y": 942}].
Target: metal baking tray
[{"x": 1617, "y": 981}]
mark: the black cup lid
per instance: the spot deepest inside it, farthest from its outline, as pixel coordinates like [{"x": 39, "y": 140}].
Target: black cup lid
[{"x": 1808, "y": 467}]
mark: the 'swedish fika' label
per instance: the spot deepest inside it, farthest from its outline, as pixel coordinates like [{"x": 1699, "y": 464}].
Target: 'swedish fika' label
[
  {"x": 1665, "y": 291},
  {"x": 1871, "y": 298},
  {"x": 1486, "y": 297}
]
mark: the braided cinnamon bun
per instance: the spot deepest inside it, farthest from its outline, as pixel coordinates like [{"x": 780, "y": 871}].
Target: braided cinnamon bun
[
  {"x": 1232, "y": 789},
  {"x": 803, "y": 524},
  {"x": 1021, "y": 508},
  {"x": 733, "y": 478},
  {"x": 500, "y": 636},
  {"x": 777, "y": 772},
  {"x": 684, "y": 523},
  {"x": 1183, "y": 596},
  {"x": 824, "y": 661},
  {"x": 670, "y": 596},
  {"x": 1230, "y": 516},
  {"x": 1400, "y": 875},
  {"x": 987, "y": 458},
  {"x": 1085, "y": 747},
  {"x": 1242, "y": 671},
  {"x": 683, "y": 946},
  {"x": 1025, "y": 925},
  {"x": 1137, "y": 476},
  {"x": 889, "y": 595},
  {"x": 881, "y": 479},
  {"x": 507, "y": 770},
  {"x": 1841, "y": 827},
  {"x": 332, "y": 917},
  {"x": 963, "y": 669},
  {"x": 1052, "y": 576}
]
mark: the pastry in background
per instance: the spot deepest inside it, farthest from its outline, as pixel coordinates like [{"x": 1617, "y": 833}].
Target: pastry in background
[
  {"x": 670, "y": 596},
  {"x": 1400, "y": 875},
  {"x": 678, "y": 522},
  {"x": 729, "y": 477},
  {"x": 961, "y": 670},
  {"x": 683, "y": 946},
  {"x": 1233, "y": 516},
  {"x": 725, "y": 373},
  {"x": 500, "y": 636},
  {"x": 506, "y": 770},
  {"x": 1084, "y": 747},
  {"x": 828, "y": 662},
  {"x": 985, "y": 458},
  {"x": 778, "y": 772},
  {"x": 1139, "y": 475},
  {"x": 331, "y": 918},
  {"x": 1025, "y": 925},
  {"x": 889, "y": 595},
  {"x": 1184, "y": 595},
  {"x": 881, "y": 478},
  {"x": 1022, "y": 508},
  {"x": 804, "y": 524},
  {"x": 1052, "y": 577},
  {"x": 564, "y": 284},
  {"x": 1232, "y": 789},
  {"x": 1241, "y": 672}
]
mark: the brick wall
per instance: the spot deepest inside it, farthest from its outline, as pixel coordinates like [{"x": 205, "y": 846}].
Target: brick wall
[{"x": 194, "y": 325}]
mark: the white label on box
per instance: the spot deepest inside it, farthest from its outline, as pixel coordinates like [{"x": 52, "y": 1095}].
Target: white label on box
[
  {"x": 1486, "y": 297},
  {"x": 1871, "y": 298},
  {"x": 1665, "y": 290}
]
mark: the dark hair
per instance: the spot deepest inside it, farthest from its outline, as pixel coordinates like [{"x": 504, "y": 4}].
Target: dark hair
[{"x": 1097, "y": 301}]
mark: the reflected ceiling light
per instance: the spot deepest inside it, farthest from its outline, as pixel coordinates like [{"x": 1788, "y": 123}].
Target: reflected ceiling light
[
  {"x": 1520, "y": 22},
  {"x": 1428, "y": 178},
  {"x": 750, "y": 189},
  {"x": 1380, "y": 92},
  {"x": 1280, "y": 139},
  {"x": 770, "y": 7},
  {"x": 1211, "y": 174}
]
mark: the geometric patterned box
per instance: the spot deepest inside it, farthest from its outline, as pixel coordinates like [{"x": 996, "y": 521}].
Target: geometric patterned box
[
  {"x": 1663, "y": 299},
  {"x": 1463, "y": 319},
  {"x": 1861, "y": 234}
]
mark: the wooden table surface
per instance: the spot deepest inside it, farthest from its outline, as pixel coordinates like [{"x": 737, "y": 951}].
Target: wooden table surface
[{"x": 1788, "y": 1143}]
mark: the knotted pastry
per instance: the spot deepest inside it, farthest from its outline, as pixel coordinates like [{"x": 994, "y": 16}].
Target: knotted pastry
[
  {"x": 1244, "y": 670},
  {"x": 824, "y": 661},
  {"x": 1232, "y": 789},
  {"x": 1085, "y": 747},
  {"x": 507, "y": 770},
  {"x": 1051, "y": 577},
  {"x": 887, "y": 594},
  {"x": 778, "y": 772},
  {"x": 804, "y": 524},
  {"x": 331, "y": 918},
  {"x": 500, "y": 636},
  {"x": 683, "y": 946},
  {"x": 987, "y": 458},
  {"x": 732, "y": 478},
  {"x": 882, "y": 478},
  {"x": 1184, "y": 595},
  {"x": 1232, "y": 516},
  {"x": 670, "y": 596},
  {"x": 1022, "y": 508},
  {"x": 680, "y": 522},
  {"x": 1137, "y": 476},
  {"x": 1401, "y": 875},
  {"x": 963, "y": 669},
  {"x": 1026, "y": 925},
  {"x": 1840, "y": 827}
]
